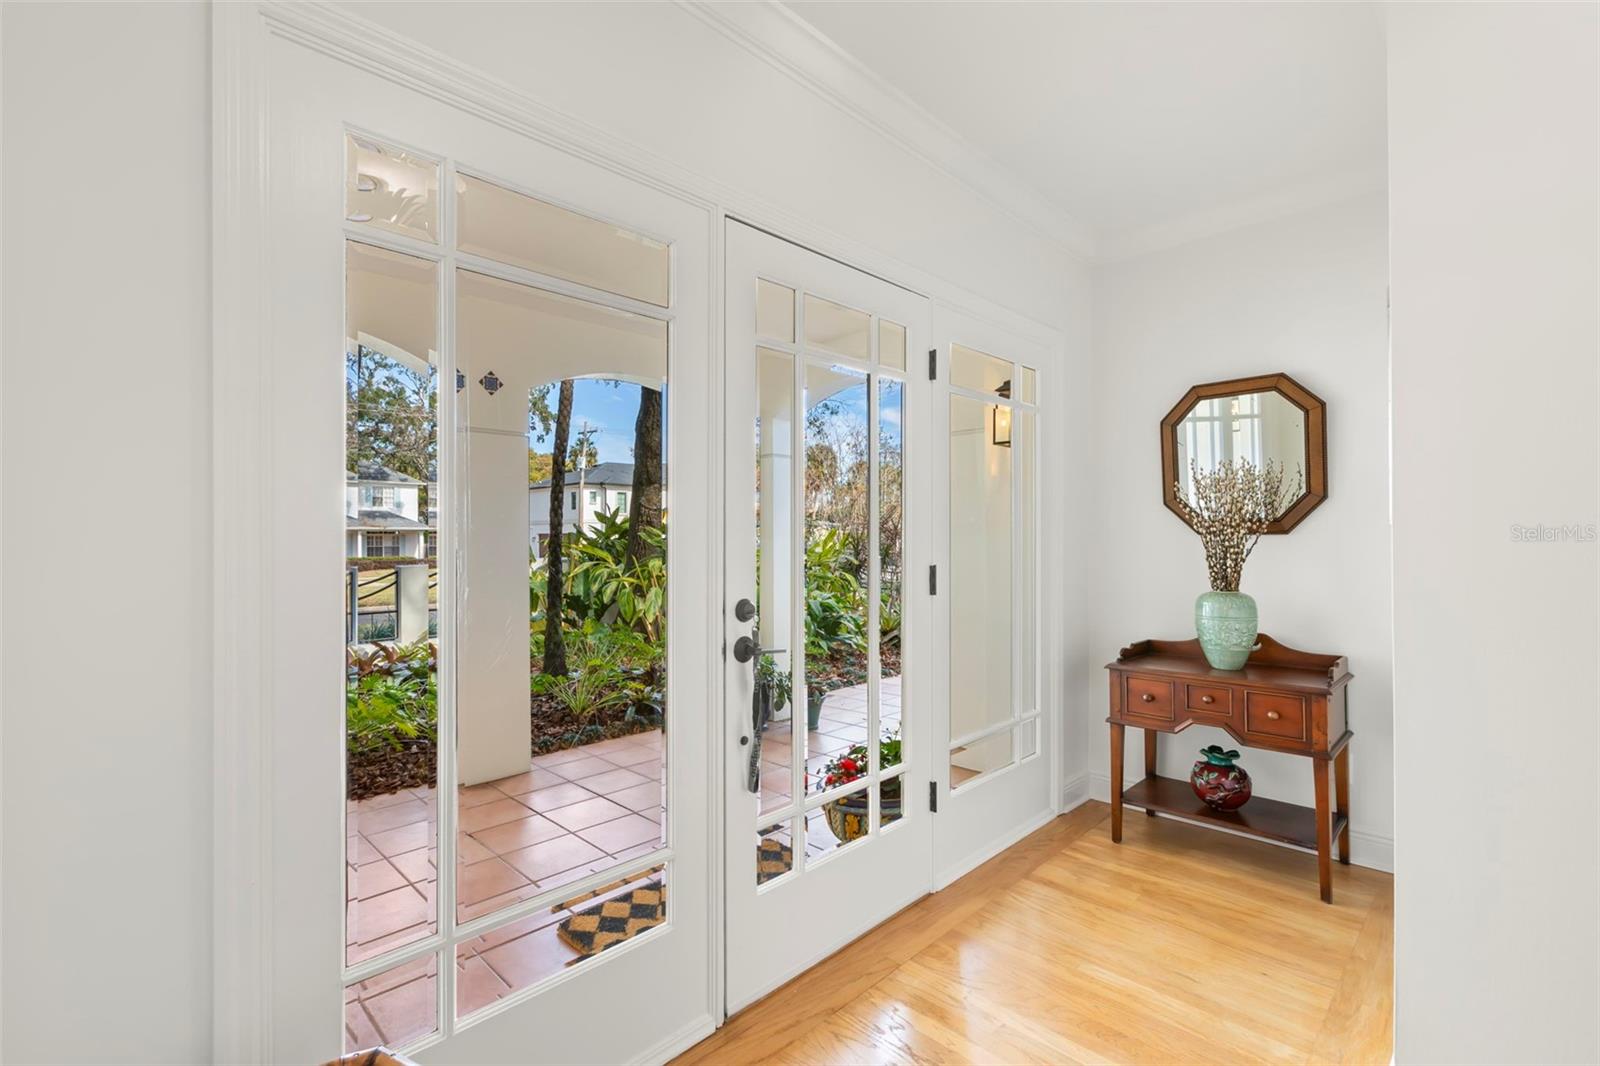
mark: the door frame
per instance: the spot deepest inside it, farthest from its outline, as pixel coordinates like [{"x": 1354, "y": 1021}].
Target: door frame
[{"x": 241, "y": 910}]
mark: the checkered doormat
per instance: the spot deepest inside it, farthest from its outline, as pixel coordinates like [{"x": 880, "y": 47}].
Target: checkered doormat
[
  {"x": 774, "y": 858},
  {"x": 596, "y": 928}
]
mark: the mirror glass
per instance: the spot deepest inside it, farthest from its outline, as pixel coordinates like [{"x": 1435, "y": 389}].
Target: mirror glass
[{"x": 1261, "y": 427}]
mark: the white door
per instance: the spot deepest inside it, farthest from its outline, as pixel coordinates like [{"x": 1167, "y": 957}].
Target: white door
[
  {"x": 827, "y": 628},
  {"x": 996, "y": 768},
  {"x": 476, "y": 856}
]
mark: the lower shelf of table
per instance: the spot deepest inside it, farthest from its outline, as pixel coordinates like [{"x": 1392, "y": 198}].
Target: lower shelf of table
[{"x": 1287, "y": 823}]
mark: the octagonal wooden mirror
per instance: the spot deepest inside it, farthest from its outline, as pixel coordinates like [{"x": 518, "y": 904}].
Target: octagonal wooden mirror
[{"x": 1269, "y": 419}]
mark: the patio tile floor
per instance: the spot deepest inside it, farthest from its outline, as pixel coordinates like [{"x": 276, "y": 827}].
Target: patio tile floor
[{"x": 572, "y": 813}]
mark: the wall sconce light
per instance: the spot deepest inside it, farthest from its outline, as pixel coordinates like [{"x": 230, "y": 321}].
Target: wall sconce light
[{"x": 1002, "y": 417}]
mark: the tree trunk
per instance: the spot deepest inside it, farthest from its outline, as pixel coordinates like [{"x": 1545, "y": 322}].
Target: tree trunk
[
  {"x": 555, "y": 650},
  {"x": 644, "y": 506}
]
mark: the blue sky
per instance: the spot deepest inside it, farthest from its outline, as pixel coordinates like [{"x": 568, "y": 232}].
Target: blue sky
[{"x": 611, "y": 408}]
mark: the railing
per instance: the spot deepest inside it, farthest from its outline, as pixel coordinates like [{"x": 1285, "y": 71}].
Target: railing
[{"x": 366, "y": 621}]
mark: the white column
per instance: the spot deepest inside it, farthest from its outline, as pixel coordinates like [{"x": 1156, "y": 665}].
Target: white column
[
  {"x": 776, "y": 461},
  {"x": 411, "y": 602},
  {"x": 492, "y": 707}
]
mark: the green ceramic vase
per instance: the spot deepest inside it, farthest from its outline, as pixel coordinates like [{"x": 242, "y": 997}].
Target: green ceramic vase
[{"x": 1226, "y": 625}]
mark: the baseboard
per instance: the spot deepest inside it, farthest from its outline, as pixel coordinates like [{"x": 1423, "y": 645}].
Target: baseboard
[
  {"x": 1075, "y": 791},
  {"x": 679, "y": 1042},
  {"x": 1371, "y": 850},
  {"x": 947, "y": 877}
]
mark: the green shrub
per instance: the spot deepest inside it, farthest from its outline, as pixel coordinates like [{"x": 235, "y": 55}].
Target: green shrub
[
  {"x": 599, "y": 673},
  {"x": 368, "y": 632},
  {"x": 601, "y": 588},
  {"x": 391, "y": 698},
  {"x": 835, "y": 604}
]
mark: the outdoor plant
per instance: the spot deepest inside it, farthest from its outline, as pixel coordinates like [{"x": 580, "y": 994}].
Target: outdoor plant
[
  {"x": 598, "y": 675},
  {"x": 1232, "y": 505},
  {"x": 835, "y": 610},
  {"x": 374, "y": 631},
  {"x": 888, "y": 615},
  {"x": 391, "y": 698},
  {"x": 779, "y": 681},
  {"x": 852, "y": 764},
  {"x": 602, "y": 586}
]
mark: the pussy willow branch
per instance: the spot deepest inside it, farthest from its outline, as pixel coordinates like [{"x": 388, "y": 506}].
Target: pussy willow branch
[{"x": 1233, "y": 505}]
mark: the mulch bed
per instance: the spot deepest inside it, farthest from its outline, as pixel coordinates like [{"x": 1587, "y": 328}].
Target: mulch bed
[
  {"x": 382, "y": 772},
  {"x": 849, "y": 667},
  {"x": 552, "y": 727},
  {"x": 379, "y": 773}
]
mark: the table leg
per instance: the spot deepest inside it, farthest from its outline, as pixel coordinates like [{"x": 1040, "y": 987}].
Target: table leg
[
  {"x": 1117, "y": 730},
  {"x": 1319, "y": 775},
  {"x": 1341, "y": 798},
  {"x": 1149, "y": 761}
]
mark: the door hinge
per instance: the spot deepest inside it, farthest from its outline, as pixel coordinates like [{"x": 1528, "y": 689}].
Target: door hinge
[
  {"x": 933, "y": 364},
  {"x": 933, "y": 581},
  {"x": 933, "y": 796}
]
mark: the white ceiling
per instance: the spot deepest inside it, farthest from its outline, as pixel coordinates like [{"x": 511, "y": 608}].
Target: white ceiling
[{"x": 1141, "y": 121}]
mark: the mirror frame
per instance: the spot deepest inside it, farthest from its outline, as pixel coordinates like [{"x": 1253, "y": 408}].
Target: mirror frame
[{"x": 1316, "y": 431}]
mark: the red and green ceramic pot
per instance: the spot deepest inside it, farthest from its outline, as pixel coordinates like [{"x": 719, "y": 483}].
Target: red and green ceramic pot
[{"x": 1219, "y": 783}]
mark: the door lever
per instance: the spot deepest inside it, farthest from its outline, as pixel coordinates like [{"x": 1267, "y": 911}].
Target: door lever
[{"x": 746, "y": 648}]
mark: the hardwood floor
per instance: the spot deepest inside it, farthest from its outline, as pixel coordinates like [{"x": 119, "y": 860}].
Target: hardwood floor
[{"x": 1179, "y": 945}]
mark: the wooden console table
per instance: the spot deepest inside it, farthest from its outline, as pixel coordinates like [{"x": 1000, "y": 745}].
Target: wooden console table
[{"x": 1283, "y": 700}]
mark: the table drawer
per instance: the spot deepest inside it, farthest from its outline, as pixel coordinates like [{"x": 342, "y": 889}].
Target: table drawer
[
  {"x": 1147, "y": 698},
  {"x": 1209, "y": 699},
  {"x": 1271, "y": 714}
]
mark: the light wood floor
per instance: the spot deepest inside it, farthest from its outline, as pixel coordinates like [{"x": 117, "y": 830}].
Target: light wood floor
[{"x": 1179, "y": 945}]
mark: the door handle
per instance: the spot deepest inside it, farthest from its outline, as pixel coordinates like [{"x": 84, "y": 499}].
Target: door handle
[{"x": 746, "y": 649}]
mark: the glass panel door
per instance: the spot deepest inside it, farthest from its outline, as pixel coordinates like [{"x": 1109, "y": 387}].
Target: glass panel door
[
  {"x": 502, "y": 724},
  {"x": 829, "y": 740}
]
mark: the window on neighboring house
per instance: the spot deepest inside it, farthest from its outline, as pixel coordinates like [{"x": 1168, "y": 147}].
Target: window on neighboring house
[
  {"x": 573, "y": 501},
  {"x": 594, "y": 497},
  {"x": 430, "y": 544},
  {"x": 383, "y": 544},
  {"x": 622, "y": 501}
]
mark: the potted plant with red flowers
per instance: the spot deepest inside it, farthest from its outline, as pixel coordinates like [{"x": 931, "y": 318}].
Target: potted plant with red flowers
[{"x": 848, "y": 815}]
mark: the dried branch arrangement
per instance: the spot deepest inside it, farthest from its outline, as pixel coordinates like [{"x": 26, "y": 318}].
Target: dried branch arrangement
[{"x": 1232, "y": 506}]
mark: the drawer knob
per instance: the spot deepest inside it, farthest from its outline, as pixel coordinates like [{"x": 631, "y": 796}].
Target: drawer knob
[
  {"x": 1208, "y": 699},
  {"x": 1274, "y": 715},
  {"x": 1148, "y": 698}
]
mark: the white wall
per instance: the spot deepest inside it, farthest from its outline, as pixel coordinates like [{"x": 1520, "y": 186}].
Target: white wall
[
  {"x": 1304, "y": 295},
  {"x": 1494, "y": 171},
  {"x": 106, "y": 689}
]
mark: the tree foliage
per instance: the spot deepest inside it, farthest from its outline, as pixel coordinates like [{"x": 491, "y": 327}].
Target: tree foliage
[{"x": 391, "y": 414}]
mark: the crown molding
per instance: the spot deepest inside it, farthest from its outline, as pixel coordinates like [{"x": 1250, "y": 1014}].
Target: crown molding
[
  {"x": 776, "y": 35},
  {"x": 1293, "y": 200}
]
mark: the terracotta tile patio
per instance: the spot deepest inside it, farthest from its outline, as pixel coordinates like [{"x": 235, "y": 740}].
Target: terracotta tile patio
[{"x": 574, "y": 812}]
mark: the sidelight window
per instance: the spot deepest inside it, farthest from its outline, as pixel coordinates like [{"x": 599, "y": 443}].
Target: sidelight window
[{"x": 994, "y": 603}]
